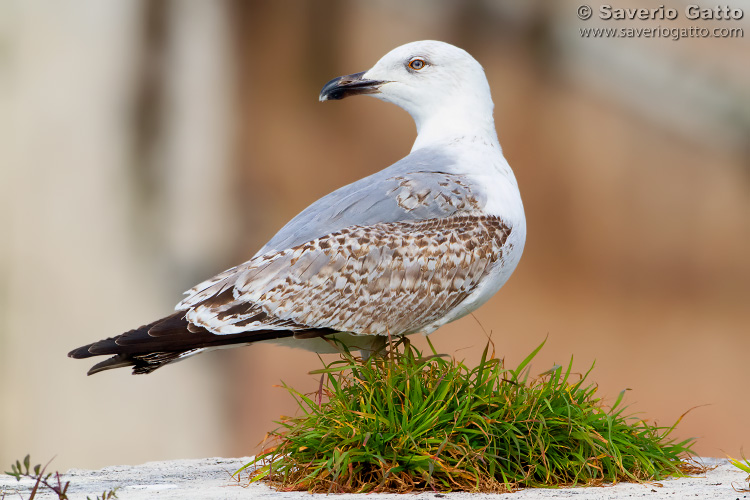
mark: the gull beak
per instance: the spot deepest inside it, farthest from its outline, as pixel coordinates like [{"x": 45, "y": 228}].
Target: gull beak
[{"x": 345, "y": 86}]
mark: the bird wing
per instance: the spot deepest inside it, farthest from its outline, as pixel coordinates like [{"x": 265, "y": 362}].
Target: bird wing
[
  {"x": 389, "y": 277},
  {"x": 389, "y": 253}
]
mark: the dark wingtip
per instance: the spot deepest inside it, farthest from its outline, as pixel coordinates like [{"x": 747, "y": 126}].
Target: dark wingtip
[
  {"x": 81, "y": 352},
  {"x": 104, "y": 346}
]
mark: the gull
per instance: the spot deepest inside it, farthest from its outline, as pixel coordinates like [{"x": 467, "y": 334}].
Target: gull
[{"x": 406, "y": 250}]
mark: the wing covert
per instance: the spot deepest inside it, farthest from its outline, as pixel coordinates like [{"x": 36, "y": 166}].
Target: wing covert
[{"x": 385, "y": 278}]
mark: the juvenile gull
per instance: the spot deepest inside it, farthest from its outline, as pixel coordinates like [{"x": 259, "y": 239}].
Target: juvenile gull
[{"x": 408, "y": 249}]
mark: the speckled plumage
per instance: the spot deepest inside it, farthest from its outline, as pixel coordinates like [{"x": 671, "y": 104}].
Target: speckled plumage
[{"x": 394, "y": 277}]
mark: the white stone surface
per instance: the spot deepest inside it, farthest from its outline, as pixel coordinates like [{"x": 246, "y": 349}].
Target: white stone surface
[{"x": 211, "y": 478}]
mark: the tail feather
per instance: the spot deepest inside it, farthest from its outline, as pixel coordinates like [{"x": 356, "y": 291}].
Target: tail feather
[{"x": 165, "y": 341}]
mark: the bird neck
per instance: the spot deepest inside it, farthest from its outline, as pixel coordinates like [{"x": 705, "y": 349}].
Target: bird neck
[{"x": 456, "y": 124}]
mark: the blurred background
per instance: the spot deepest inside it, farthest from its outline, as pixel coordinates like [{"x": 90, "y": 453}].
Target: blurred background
[{"x": 148, "y": 145}]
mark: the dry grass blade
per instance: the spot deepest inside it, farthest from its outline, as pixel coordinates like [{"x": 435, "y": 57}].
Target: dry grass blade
[{"x": 743, "y": 465}]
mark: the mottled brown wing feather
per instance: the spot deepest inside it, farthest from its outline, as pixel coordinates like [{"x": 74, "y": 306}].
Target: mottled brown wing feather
[{"x": 385, "y": 278}]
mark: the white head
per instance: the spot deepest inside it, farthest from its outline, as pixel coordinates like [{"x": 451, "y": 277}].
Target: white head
[{"x": 441, "y": 86}]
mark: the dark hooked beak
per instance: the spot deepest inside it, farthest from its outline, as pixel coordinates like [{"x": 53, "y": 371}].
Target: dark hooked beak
[{"x": 345, "y": 86}]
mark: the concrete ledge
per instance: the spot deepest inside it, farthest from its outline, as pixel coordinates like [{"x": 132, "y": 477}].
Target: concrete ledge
[{"x": 210, "y": 478}]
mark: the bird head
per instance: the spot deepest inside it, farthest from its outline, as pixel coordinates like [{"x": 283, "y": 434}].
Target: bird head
[{"x": 433, "y": 81}]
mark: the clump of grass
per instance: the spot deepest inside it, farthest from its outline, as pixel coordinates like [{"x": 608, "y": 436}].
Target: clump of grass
[{"x": 407, "y": 422}]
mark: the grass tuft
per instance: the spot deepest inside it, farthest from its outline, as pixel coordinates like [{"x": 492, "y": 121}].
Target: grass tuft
[{"x": 408, "y": 422}]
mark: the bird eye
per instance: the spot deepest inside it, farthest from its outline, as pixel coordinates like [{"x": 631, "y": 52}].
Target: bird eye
[{"x": 417, "y": 64}]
